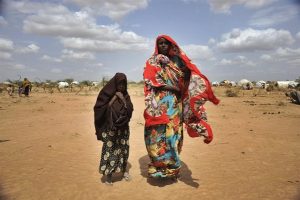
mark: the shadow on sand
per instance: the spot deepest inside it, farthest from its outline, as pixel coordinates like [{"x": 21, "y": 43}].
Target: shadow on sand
[
  {"x": 2, "y": 195},
  {"x": 185, "y": 175}
]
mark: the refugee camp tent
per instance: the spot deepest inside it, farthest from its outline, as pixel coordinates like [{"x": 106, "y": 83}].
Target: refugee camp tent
[
  {"x": 245, "y": 84},
  {"x": 261, "y": 84},
  {"x": 215, "y": 83},
  {"x": 286, "y": 84}
]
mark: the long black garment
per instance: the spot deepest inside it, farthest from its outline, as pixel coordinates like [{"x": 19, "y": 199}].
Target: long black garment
[{"x": 112, "y": 126}]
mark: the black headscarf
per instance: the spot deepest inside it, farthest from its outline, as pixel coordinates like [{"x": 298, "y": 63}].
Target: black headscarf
[{"x": 119, "y": 113}]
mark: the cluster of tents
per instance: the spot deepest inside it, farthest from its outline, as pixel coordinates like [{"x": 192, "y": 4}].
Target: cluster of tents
[{"x": 248, "y": 85}]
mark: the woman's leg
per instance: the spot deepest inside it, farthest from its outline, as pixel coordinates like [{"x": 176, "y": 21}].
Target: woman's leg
[
  {"x": 107, "y": 161},
  {"x": 155, "y": 141},
  {"x": 174, "y": 140},
  {"x": 163, "y": 143}
]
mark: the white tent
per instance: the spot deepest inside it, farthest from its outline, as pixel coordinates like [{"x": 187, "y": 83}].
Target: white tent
[
  {"x": 261, "y": 84},
  {"x": 7, "y": 83},
  {"x": 245, "y": 84},
  {"x": 75, "y": 83},
  {"x": 63, "y": 84},
  {"x": 215, "y": 83},
  {"x": 286, "y": 84},
  {"x": 232, "y": 83}
]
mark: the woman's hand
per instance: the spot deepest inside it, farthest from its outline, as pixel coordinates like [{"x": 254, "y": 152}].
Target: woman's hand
[
  {"x": 112, "y": 100},
  {"x": 171, "y": 88},
  {"x": 120, "y": 95},
  {"x": 176, "y": 90}
]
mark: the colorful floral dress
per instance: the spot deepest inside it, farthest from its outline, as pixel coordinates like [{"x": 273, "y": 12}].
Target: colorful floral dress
[
  {"x": 164, "y": 140},
  {"x": 166, "y": 112}
]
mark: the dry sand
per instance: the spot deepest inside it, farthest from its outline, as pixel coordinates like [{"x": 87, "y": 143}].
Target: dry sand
[{"x": 49, "y": 151}]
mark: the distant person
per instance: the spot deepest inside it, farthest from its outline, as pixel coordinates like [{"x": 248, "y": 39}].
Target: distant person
[
  {"x": 20, "y": 88},
  {"x": 175, "y": 92},
  {"x": 112, "y": 113},
  {"x": 26, "y": 87},
  {"x": 10, "y": 89}
]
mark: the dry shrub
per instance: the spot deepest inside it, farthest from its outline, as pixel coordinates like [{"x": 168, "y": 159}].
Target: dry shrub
[
  {"x": 281, "y": 103},
  {"x": 270, "y": 88},
  {"x": 283, "y": 89},
  {"x": 232, "y": 92},
  {"x": 259, "y": 92}
]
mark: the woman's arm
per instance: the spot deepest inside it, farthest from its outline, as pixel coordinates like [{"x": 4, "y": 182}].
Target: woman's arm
[
  {"x": 170, "y": 88},
  {"x": 121, "y": 96},
  {"x": 176, "y": 90},
  {"x": 112, "y": 100}
]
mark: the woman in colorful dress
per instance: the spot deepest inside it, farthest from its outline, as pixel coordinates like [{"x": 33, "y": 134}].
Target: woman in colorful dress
[
  {"x": 112, "y": 113},
  {"x": 175, "y": 92},
  {"x": 26, "y": 85}
]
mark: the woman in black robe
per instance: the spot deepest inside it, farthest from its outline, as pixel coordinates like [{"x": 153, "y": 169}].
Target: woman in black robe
[{"x": 112, "y": 113}]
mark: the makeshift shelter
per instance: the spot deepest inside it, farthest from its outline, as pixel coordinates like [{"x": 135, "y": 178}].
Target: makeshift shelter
[
  {"x": 245, "y": 84},
  {"x": 215, "y": 83},
  {"x": 286, "y": 84},
  {"x": 261, "y": 84}
]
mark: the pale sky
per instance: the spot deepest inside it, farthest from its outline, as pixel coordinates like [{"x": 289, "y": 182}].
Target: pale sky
[{"x": 89, "y": 39}]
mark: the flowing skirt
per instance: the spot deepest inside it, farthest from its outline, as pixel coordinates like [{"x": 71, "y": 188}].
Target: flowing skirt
[
  {"x": 164, "y": 143},
  {"x": 115, "y": 151}
]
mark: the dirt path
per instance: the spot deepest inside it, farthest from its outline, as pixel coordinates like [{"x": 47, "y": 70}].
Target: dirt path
[{"x": 49, "y": 151}]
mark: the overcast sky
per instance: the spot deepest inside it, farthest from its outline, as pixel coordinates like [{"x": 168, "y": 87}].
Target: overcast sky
[{"x": 89, "y": 39}]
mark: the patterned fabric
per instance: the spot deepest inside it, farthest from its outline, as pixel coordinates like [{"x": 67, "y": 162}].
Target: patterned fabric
[
  {"x": 165, "y": 111},
  {"x": 112, "y": 114},
  {"x": 164, "y": 143},
  {"x": 159, "y": 72},
  {"x": 162, "y": 103},
  {"x": 164, "y": 140},
  {"x": 194, "y": 114},
  {"x": 115, "y": 151}
]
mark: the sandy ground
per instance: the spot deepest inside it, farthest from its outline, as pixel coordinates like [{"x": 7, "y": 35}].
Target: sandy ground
[{"x": 49, "y": 151}]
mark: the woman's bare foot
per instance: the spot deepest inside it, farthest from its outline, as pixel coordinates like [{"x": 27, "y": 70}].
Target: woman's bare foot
[
  {"x": 109, "y": 179},
  {"x": 126, "y": 176}
]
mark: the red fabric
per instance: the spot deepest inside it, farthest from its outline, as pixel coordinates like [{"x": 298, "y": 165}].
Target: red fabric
[
  {"x": 150, "y": 120},
  {"x": 150, "y": 73},
  {"x": 208, "y": 93},
  {"x": 192, "y": 133}
]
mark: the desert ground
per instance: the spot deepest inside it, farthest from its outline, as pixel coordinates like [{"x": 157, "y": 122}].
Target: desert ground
[{"x": 49, "y": 150}]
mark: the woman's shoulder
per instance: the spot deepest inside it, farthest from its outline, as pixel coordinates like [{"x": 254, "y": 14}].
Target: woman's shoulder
[{"x": 151, "y": 59}]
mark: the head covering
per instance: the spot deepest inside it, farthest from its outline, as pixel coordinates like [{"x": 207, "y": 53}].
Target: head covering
[
  {"x": 105, "y": 115},
  {"x": 175, "y": 50},
  {"x": 110, "y": 89}
]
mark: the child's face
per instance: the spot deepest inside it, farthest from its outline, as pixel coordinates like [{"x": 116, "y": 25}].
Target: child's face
[{"x": 121, "y": 87}]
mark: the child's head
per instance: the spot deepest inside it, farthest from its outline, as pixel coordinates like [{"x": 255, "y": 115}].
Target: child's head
[
  {"x": 121, "y": 82},
  {"x": 121, "y": 86}
]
